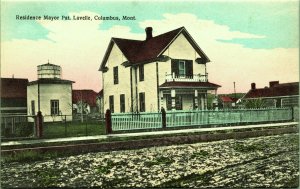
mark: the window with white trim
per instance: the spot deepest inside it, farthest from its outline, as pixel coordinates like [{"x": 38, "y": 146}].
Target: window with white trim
[{"x": 54, "y": 104}]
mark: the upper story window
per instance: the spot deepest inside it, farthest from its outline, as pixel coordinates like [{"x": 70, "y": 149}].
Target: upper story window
[
  {"x": 141, "y": 72},
  {"x": 116, "y": 75},
  {"x": 54, "y": 104},
  {"x": 182, "y": 68}
]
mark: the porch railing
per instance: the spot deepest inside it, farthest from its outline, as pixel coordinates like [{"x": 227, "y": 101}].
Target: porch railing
[
  {"x": 134, "y": 121},
  {"x": 185, "y": 78}
]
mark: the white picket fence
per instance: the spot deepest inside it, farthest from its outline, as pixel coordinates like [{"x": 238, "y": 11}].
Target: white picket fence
[
  {"x": 134, "y": 121},
  {"x": 194, "y": 118}
]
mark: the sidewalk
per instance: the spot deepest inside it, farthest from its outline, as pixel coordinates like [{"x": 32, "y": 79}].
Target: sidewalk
[{"x": 168, "y": 132}]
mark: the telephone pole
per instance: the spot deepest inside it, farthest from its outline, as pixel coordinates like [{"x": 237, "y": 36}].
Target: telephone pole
[{"x": 234, "y": 89}]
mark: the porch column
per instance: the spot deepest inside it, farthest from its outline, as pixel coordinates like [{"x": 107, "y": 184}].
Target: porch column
[
  {"x": 161, "y": 94},
  {"x": 173, "y": 95},
  {"x": 196, "y": 99},
  {"x": 205, "y": 101},
  {"x": 202, "y": 101}
]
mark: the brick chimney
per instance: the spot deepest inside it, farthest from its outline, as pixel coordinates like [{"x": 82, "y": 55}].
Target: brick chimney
[
  {"x": 253, "y": 86},
  {"x": 148, "y": 33},
  {"x": 273, "y": 83}
]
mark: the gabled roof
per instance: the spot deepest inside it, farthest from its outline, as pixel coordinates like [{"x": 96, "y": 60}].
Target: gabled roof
[
  {"x": 87, "y": 96},
  {"x": 137, "y": 51},
  {"x": 284, "y": 89},
  {"x": 175, "y": 84},
  {"x": 13, "y": 88}
]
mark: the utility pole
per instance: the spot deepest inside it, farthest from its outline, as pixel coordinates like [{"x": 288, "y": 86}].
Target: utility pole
[
  {"x": 234, "y": 89},
  {"x": 81, "y": 107}
]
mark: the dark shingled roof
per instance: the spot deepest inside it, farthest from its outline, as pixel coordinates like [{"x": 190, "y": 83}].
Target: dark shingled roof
[
  {"x": 284, "y": 89},
  {"x": 100, "y": 94},
  {"x": 13, "y": 88},
  {"x": 175, "y": 84},
  {"x": 87, "y": 96},
  {"x": 50, "y": 81},
  {"x": 137, "y": 51}
]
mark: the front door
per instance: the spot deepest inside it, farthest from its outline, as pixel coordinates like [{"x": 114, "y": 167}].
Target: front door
[{"x": 178, "y": 102}]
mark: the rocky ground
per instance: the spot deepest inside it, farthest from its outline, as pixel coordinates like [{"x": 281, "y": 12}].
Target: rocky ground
[{"x": 270, "y": 161}]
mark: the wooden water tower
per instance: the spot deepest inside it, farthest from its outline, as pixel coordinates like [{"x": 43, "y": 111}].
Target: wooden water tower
[{"x": 49, "y": 71}]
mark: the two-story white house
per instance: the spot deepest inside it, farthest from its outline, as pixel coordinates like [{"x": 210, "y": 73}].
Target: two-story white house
[{"x": 168, "y": 70}]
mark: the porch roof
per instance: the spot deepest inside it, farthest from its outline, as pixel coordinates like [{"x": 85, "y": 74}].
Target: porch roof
[{"x": 192, "y": 85}]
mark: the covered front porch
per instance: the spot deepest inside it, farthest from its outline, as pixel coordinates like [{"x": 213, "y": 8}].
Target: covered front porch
[{"x": 185, "y": 95}]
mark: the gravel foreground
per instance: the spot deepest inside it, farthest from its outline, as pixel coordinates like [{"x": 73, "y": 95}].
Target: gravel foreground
[{"x": 262, "y": 162}]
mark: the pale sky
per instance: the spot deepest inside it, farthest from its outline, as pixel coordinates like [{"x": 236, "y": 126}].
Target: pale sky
[{"x": 246, "y": 41}]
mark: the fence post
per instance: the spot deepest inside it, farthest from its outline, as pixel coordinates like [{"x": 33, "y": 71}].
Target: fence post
[
  {"x": 108, "y": 122},
  {"x": 163, "y": 118},
  {"x": 39, "y": 124}
]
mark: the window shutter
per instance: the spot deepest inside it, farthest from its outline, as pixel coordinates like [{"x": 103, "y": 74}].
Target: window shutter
[
  {"x": 175, "y": 67},
  {"x": 189, "y": 68}
]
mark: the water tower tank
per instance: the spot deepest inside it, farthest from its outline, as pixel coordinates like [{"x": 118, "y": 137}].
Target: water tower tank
[{"x": 49, "y": 71}]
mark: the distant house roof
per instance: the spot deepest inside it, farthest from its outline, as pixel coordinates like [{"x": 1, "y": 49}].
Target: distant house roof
[
  {"x": 87, "y": 96},
  {"x": 226, "y": 99},
  {"x": 284, "y": 89},
  {"x": 13, "y": 88},
  {"x": 174, "y": 84},
  {"x": 137, "y": 51},
  {"x": 100, "y": 92}
]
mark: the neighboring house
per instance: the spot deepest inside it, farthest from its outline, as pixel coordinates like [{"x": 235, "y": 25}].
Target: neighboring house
[
  {"x": 50, "y": 94},
  {"x": 13, "y": 96},
  {"x": 227, "y": 102},
  {"x": 168, "y": 70},
  {"x": 87, "y": 98},
  {"x": 276, "y": 95}
]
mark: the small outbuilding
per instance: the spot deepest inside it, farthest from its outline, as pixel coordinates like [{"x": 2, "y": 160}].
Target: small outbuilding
[{"x": 50, "y": 94}]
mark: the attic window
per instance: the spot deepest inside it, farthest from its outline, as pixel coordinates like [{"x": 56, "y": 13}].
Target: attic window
[
  {"x": 141, "y": 72},
  {"x": 116, "y": 75}
]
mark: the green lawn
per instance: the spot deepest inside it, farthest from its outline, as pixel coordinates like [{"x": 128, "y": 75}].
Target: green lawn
[{"x": 72, "y": 129}]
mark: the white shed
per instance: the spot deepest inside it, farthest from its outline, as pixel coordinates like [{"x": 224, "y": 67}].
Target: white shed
[{"x": 50, "y": 94}]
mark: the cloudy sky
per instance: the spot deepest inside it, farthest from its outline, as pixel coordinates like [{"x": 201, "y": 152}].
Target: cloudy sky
[{"x": 246, "y": 41}]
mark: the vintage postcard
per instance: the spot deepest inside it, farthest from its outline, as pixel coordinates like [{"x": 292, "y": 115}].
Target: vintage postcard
[{"x": 150, "y": 94}]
